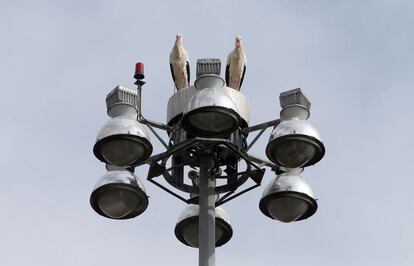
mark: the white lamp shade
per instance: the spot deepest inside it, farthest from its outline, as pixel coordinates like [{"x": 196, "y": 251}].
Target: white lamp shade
[
  {"x": 122, "y": 142},
  {"x": 119, "y": 195},
  {"x": 288, "y": 198}
]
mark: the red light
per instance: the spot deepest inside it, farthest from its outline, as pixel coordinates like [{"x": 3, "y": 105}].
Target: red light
[
  {"x": 139, "y": 68},
  {"x": 139, "y": 71}
]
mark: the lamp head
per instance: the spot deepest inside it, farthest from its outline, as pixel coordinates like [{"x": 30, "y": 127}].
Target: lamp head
[
  {"x": 288, "y": 198},
  {"x": 294, "y": 142},
  {"x": 119, "y": 195},
  {"x": 122, "y": 141},
  {"x": 210, "y": 112},
  {"x": 186, "y": 229}
]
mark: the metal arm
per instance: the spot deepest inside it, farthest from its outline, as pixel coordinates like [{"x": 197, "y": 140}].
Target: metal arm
[
  {"x": 261, "y": 126},
  {"x": 141, "y": 118},
  {"x": 158, "y": 136},
  {"x": 158, "y": 125}
]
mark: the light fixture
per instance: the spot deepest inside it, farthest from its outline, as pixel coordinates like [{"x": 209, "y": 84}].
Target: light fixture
[
  {"x": 122, "y": 141},
  {"x": 210, "y": 112},
  {"x": 294, "y": 142},
  {"x": 119, "y": 195},
  {"x": 208, "y": 129},
  {"x": 288, "y": 198},
  {"x": 186, "y": 229}
]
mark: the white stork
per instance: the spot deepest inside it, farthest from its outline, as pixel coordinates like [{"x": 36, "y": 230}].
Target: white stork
[
  {"x": 236, "y": 66},
  {"x": 180, "y": 67}
]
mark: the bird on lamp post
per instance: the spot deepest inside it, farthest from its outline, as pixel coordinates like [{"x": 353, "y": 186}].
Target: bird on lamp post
[
  {"x": 179, "y": 64},
  {"x": 236, "y": 66}
]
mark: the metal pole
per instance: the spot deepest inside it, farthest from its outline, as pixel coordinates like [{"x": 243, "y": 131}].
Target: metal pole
[
  {"x": 139, "y": 84},
  {"x": 207, "y": 217}
]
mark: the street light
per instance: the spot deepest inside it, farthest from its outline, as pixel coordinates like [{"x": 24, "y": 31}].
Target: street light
[
  {"x": 208, "y": 129},
  {"x": 294, "y": 142},
  {"x": 186, "y": 229},
  {"x": 210, "y": 112},
  {"x": 122, "y": 141},
  {"x": 119, "y": 195},
  {"x": 288, "y": 198}
]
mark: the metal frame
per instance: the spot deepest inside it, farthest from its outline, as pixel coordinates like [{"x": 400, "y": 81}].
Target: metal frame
[{"x": 158, "y": 167}]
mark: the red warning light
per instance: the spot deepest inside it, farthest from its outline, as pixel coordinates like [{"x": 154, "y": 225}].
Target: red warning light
[{"x": 139, "y": 71}]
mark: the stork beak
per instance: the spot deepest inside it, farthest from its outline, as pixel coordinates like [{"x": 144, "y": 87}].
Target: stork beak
[{"x": 238, "y": 42}]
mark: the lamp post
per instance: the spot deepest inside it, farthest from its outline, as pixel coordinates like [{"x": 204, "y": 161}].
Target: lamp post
[{"x": 208, "y": 130}]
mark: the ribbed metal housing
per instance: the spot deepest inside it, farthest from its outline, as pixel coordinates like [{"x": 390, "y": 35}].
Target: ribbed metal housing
[
  {"x": 294, "y": 97},
  {"x": 208, "y": 66},
  {"x": 121, "y": 95}
]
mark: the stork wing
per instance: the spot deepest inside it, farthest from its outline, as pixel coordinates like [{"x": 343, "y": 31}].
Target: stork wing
[
  {"x": 188, "y": 72},
  {"x": 172, "y": 72},
  {"x": 242, "y": 77},
  {"x": 227, "y": 75}
]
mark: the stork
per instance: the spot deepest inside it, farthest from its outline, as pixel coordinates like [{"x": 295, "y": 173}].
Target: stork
[
  {"x": 236, "y": 66},
  {"x": 179, "y": 65}
]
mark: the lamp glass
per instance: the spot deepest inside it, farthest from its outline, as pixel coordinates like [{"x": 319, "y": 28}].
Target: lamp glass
[
  {"x": 211, "y": 121},
  {"x": 122, "y": 152},
  {"x": 287, "y": 209},
  {"x": 190, "y": 234},
  {"x": 293, "y": 153},
  {"x": 117, "y": 202}
]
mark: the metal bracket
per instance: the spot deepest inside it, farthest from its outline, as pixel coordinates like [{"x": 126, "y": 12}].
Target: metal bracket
[
  {"x": 260, "y": 126},
  {"x": 145, "y": 121},
  {"x": 235, "y": 179},
  {"x": 196, "y": 146},
  {"x": 157, "y": 136},
  {"x": 255, "y": 175}
]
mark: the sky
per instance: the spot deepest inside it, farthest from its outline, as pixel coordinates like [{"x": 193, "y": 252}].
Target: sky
[{"x": 353, "y": 59}]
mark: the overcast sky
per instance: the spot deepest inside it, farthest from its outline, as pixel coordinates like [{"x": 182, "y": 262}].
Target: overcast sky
[{"x": 354, "y": 59}]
